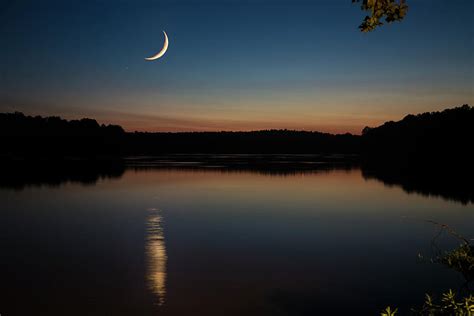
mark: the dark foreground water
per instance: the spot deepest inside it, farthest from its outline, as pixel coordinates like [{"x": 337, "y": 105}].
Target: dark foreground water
[{"x": 217, "y": 242}]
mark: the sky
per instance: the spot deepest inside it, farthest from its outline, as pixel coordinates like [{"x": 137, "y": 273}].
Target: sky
[{"x": 233, "y": 65}]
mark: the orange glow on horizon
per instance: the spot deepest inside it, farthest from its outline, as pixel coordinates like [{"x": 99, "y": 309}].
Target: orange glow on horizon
[
  {"x": 332, "y": 125},
  {"x": 156, "y": 124}
]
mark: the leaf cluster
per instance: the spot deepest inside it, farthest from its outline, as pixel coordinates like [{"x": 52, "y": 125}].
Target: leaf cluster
[
  {"x": 388, "y": 10},
  {"x": 461, "y": 259},
  {"x": 449, "y": 304},
  {"x": 388, "y": 311}
]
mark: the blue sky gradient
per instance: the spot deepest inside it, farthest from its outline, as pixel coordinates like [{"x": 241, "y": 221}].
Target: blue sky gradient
[{"x": 237, "y": 65}]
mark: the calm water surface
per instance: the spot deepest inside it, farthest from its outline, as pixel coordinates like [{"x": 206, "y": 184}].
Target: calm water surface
[{"x": 213, "y": 242}]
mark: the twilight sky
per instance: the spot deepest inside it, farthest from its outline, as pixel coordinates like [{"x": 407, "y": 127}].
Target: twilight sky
[{"x": 233, "y": 65}]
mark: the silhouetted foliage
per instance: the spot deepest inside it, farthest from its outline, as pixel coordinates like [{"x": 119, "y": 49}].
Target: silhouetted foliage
[
  {"x": 390, "y": 10},
  {"x": 18, "y": 124},
  {"x": 418, "y": 141},
  {"x": 27, "y": 136},
  {"x": 429, "y": 153},
  {"x": 256, "y": 142},
  {"x": 423, "y": 141},
  {"x": 460, "y": 259}
]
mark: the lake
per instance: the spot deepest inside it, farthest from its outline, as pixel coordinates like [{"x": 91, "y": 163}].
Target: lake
[{"x": 219, "y": 241}]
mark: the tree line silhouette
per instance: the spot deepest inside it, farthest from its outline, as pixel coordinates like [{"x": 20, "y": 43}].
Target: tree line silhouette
[
  {"x": 255, "y": 142},
  {"x": 26, "y": 137},
  {"x": 429, "y": 139},
  {"x": 425, "y": 139}
]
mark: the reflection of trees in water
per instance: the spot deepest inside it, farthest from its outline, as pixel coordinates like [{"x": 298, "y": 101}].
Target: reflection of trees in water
[
  {"x": 448, "y": 182},
  {"x": 156, "y": 252},
  {"x": 452, "y": 185},
  {"x": 18, "y": 176}
]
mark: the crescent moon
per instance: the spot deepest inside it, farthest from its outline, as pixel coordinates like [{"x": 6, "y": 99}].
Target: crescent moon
[{"x": 162, "y": 51}]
